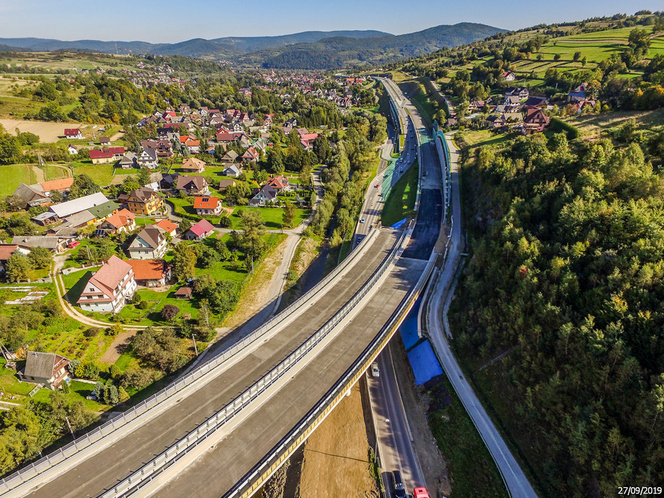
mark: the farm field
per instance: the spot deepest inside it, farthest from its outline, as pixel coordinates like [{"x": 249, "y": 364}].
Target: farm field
[
  {"x": 12, "y": 175},
  {"x": 47, "y": 132}
]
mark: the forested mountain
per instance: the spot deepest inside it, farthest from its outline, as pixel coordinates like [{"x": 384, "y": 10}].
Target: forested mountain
[
  {"x": 566, "y": 280},
  {"x": 307, "y": 50},
  {"x": 338, "y": 52}
]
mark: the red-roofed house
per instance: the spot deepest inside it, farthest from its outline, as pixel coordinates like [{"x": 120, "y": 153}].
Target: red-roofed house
[
  {"x": 122, "y": 221},
  {"x": 73, "y": 134},
  {"x": 279, "y": 183},
  {"x": 207, "y": 206},
  {"x": 151, "y": 272},
  {"x": 117, "y": 152},
  {"x": 250, "y": 155},
  {"x": 535, "y": 121},
  {"x": 199, "y": 231},
  {"x": 109, "y": 289},
  {"x": 6, "y": 251},
  {"x": 102, "y": 156},
  {"x": 167, "y": 226}
]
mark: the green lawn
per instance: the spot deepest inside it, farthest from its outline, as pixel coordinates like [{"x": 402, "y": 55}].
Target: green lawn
[
  {"x": 102, "y": 174},
  {"x": 401, "y": 199},
  {"x": 271, "y": 217},
  {"x": 12, "y": 175}
]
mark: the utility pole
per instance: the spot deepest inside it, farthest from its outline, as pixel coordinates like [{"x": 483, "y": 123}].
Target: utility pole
[
  {"x": 193, "y": 338},
  {"x": 70, "y": 429}
]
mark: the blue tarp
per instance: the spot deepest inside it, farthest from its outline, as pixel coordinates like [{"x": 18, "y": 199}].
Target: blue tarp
[
  {"x": 399, "y": 224},
  {"x": 408, "y": 328},
  {"x": 424, "y": 363}
]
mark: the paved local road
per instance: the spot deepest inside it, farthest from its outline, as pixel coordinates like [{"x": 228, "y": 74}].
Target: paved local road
[{"x": 515, "y": 480}]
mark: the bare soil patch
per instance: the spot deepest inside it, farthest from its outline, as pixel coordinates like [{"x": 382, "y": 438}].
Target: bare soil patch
[
  {"x": 336, "y": 455},
  {"x": 47, "y": 132},
  {"x": 117, "y": 347}
]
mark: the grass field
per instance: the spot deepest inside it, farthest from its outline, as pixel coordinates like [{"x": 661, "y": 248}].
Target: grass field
[
  {"x": 102, "y": 174},
  {"x": 401, "y": 199},
  {"x": 271, "y": 217},
  {"x": 12, "y": 175}
]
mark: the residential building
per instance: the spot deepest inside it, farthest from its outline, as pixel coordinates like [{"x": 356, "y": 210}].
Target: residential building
[
  {"x": 263, "y": 196},
  {"x": 193, "y": 165},
  {"x": 148, "y": 158},
  {"x": 167, "y": 226},
  {"x": 101, "y": 156},
  {"x": 183, "y": 292},
  {"x": 122, "y": 221},
  {"x": 192, "y": 185},
  {"x": 150, "y": 243},
  {"x": 207, "y": 206},
  {"x": 540, "y": 102},
  {"x": 230, "y": 157},
  {"x": 128, "y": 161},
  {"x": 56, "y": 245},
  {"x": 46, "y": 218},
  {"x": 73, "y": 134},
  {"x": 103, "y": 211},
  {"x": 535, "y": 121},
  {"x": 62, "y": 185},
  {"x": 199, "y": 231},
  {"x": 144, "y": 201},
  {"x": 225, "y": 183},
  {"x": 31, "y": 195},
  {"x": 104, "y": 141},
  {"x": 279, "y": 183},
  {"x": 151, "y": 272},
  {"x": 6, "y": 252},
  {"x": 169, "y": 180},
  {"x": 250, "y": 155},
  {"x": 47, "y": 369},
  {"x": 519, "y": 91},
  {"x": 233, "y": 171},
  {"x": 109, "y": 288},
  {"x": 65, "y": 209}
]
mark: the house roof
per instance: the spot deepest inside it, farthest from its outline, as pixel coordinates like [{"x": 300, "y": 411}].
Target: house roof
[
  {"x": 206, "y": 202},
  {"x": 193, "y": 163},
  {"x": 225, "y": 183},
  {"x": 62, "y": 184},
  {"x": 78, "y": 219},
  {"x": 121, "y": 218},
  {"x": 184, "y": 291},
  {"x": 116, "y": 150},
  {"x": 278, "y": 182},
  {"x": 51, "y": 243},
  {"x": 189, "y": 182},
  {"x": 150, "y": 234},
  {"x": 28, "y": 193},
  {"x": 267, "y": 191},
  {"x": 110, "y": 275},
  {"x": 41, "y": 365},
  {"x": 201, "y": 227},
  {"x": 142, "y": 194},
  {"x": 104, "y": 209},
  {"x": 6, "y": 251},
  {"x": 72, "y": 131},
  {"x": 101, "y": 154},
  {"x": 104, "y": 140},
  {"x": 77, "y": 205},
  {"x": 148, "y": 269},
  {"x": 250, "y": 153},
  {"x": 231, "y": 154},
  {"x": 166, "y": 225}
]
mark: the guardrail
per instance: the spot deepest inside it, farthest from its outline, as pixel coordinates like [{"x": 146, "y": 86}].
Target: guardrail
[
  {"x": 255, "y": 478},
  {"x": 444, "y": 155},
  {"x": 182, "y": 447},
  {"x": 58, "y": 456}
]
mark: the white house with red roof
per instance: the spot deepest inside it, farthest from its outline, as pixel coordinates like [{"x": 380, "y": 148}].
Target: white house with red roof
[
  {"x": 200, "y": 231},
  {"x": 73, "y": 134},
  {"x": 279, "y": 183},
  {"x": 109, "y": 289}
]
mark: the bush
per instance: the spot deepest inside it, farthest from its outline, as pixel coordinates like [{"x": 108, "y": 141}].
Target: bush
[
  {"x": 143, "y": 305},
  {"x": 115, "y": 372},
  {"x": 136, "y": 299},
  {"x": 92, "y": 332},
  {"x": 65, "y": 388},
  {"x": 73, "y": 366},
  {"x": 560, "y": 126},
  {"x": 138, "y": 379},
  {"x": 169, "y": 312}
]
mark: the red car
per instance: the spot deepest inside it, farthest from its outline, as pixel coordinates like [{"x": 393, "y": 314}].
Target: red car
[
  {"x": 420, "y": 493},
  {"x": 73, "y": 244},
  {"x": 377, "y": 186}
]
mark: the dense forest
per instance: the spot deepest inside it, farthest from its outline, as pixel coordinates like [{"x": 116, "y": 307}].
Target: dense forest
[{"x": 567, "y": 278}]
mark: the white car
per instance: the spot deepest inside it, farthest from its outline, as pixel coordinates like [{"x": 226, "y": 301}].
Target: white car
[{"x": 375, "y": 372}]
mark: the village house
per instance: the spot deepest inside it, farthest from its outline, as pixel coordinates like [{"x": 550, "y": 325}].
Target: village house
[
  {"x": 509, "y": 76},
  {"x": 109, "y": 288},
  {"x": 72, "y": 150},
  {"x": 192, "y": 185},
  {"x": 128, "y": 161},
  {"x": 225, "y": 183},
  {"x": 31, "y": 195},
  {"x": 65, "y": 209},
  {"x": 207, "y": 206},
  {"x": 6, "y": 252},
  {"x": 167, "y": 227},
  {"x": 104, "y": 141},
  {"x": 144, "y": 201},
  {"x": 103, "y": 211},
  {"x": 199, "y": 231},
  {"x": 101, "y": 156},
  {"x": 148, "y": 158},
  {"x": 229, "y": 158},
  {"x": 150, "y": 243},
  {"x": 151, "y": 272},
  {"x": 535, "y": 121},
  {"x": 279, "y": 183},
  {"x": 56, "y": 245},
  {"x": 45, "y": 218},
  {"x": 193, "y": 165},
  {"x": 168, "y": 180},
  {"x": 122, "y": 221},
  {"x": 250, "y": 155},
  {"x": 73, "y": 134},
  {"x": 233, "y": 171},
  {"x": 47, "y": 369},
  {"x": 263, "y": 196}
]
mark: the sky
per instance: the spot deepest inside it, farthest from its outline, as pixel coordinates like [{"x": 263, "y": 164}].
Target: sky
[{"x": 168, "y": 21}]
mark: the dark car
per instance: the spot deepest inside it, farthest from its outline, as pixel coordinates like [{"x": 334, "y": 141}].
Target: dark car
[{"x": 399, "y": 488}]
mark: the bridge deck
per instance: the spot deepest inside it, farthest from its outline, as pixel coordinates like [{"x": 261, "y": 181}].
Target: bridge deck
[
  {"x": 105, "y": 469},
  {"x": 214, "y": 473}
]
